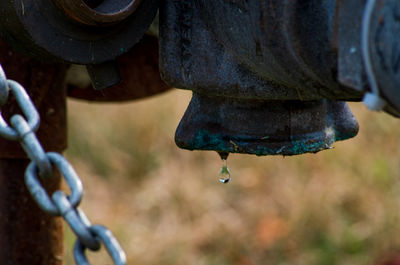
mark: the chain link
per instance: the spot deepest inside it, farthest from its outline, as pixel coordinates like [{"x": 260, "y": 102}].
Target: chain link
[
  {"x": 109, "y": 242},
  {"x": 58, "y": 204}
]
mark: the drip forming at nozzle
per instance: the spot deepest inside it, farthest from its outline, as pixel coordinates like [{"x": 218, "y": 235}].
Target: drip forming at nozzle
[{"x": 264, "y": 127}]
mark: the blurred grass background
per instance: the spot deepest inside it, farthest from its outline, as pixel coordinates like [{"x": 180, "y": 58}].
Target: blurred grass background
[{"x": 166, "y": 206}]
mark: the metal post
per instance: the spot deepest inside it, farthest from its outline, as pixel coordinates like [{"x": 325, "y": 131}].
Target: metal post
[{"x": 27, "y": 234}]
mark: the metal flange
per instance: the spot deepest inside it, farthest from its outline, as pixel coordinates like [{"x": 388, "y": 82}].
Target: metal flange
[
  {"x": 98, "y": 12},
  {"x": 77, "y": 31}
]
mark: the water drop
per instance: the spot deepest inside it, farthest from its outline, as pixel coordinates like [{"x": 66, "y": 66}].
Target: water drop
[{"x": 224, "y": 174}]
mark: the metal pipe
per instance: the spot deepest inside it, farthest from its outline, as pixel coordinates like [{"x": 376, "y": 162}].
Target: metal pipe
[{"x": 27, "y": 234}]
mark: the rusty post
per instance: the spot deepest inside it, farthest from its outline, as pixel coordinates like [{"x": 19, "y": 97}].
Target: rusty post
[{"x": 27, "y": 234}]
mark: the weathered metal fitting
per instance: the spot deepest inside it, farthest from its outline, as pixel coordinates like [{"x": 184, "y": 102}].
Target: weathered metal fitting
[
  {"x": 104, "y": 75},
  {"x": 40, "y": 28},
  {"x": 77, "y": 31},
  {"x": 269, "y": 49},
  {"x": 384, "y": 29},
  {"x": 139, "y": 72},
  {"x": 264, "y": 127},
  {"x": 272, "y": 62},
  {"x": 280, "y": 50},
  {"x": 98, "y": 13}
]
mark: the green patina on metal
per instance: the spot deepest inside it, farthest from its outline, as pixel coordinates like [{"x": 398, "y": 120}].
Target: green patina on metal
[
  {"x": 263, "y": 128},
  {"x": 342, "y": 136},
  {"x": 315, "y": 142}
]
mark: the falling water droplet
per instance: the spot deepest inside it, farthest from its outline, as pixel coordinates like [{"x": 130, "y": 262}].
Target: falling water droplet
[{"x": 224, "y": 174}]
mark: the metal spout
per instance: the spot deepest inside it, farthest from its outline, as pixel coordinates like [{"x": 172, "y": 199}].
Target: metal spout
[{"x": 264, "y": 127}]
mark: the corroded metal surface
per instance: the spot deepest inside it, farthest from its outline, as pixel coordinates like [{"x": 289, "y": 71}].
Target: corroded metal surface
[
  {"x": 270, "y": 49},
  {"x": 350, "y": 65},
  {"x": 41, "y": 29},
  {"x": 281, "y": 52},
  {"x": 27, "y": 234},
  {"x": 87, "y": 32},
  {"x": 45, "y": 82},
  {"x": 264, "y": 127},
  {"x": 385, "y": 49},
  {"x": 140, "y": 76}
]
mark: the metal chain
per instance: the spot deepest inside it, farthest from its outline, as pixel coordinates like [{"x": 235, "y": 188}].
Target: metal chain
[{"x": 59, "y": 204}]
